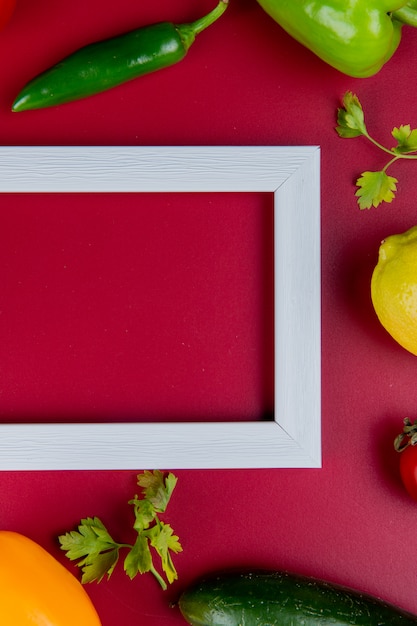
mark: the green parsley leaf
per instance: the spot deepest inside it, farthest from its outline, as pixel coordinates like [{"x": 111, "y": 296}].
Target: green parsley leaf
[
  {"x": 406, "y": 138},
  {"x": 91, "y": 538},
  {"x": 93, "y": 544},
  {"x": 374, "y": 188},
  {"x": 139, "y": 558},
  {"x": 97, "y": 552},
  {"x": 144, "y": 513},
  {"x": 350, "y": 119},
  {"x": 96, "y": 566},
  {"x": 156, "y": 489},
  {"x": 163, "y": 540}
]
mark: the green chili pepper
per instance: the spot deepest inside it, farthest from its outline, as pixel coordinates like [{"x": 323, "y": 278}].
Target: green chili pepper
[
  {"x": 357, "y": 37},
  {"x": 106, "y": 64}
]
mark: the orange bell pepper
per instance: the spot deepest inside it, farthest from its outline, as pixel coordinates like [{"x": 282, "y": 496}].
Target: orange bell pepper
[{"x": 36, "y": 589}]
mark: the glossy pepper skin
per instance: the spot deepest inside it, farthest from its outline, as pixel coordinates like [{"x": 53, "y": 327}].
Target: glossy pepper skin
[
  {"x": 357, "y": 37},
  {"x": 106, "y": 64},
  {"x": 36, "y": 590}
]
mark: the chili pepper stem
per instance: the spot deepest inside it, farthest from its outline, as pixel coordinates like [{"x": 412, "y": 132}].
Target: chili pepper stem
[
  {"x": 111, "y": 62},
  {"x": 202, "y": 23},
  {"x": 188, "y": 32}
]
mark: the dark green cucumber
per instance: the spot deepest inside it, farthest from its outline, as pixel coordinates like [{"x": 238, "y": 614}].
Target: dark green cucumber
[{"x": 283, "y": 599}]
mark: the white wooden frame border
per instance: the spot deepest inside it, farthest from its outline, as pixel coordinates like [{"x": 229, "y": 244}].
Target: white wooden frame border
[{"x": 293, "y": 438}]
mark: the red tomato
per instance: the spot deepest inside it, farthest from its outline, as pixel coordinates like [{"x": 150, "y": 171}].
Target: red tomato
[
  {"x": 408, "y": 469},
  {"x": 6, "y": 10}
]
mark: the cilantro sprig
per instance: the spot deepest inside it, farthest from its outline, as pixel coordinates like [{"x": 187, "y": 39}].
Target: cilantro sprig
[
  {"x": 375, "y": 187},
  {"x": 98, "y": 553}
]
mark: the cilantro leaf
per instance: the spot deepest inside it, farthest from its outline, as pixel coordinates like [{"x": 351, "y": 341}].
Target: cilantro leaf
[
  {"x": 350, "y": 119},
  {"x": 406, "y": 139},
  {"x": 163, "y": 540},
  {"x": 157, "y": 490},
  {"x": 139, "y": 558},
  {"x": 93, "y": 544},
  {"x": 97, "y": 552},
  {"x": 91, "y": 538},
  {"x": 375, "y": 188},
  {"x": 144, "y": 513},
  {"x": 96, "y": 566}
]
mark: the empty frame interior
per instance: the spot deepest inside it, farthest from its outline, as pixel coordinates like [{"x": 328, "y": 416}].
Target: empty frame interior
[{"x": 293, "y": 437}]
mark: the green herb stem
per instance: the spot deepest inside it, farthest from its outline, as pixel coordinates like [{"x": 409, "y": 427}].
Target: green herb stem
[
  {"x": 158, "y": 578},
  {"x": 375, "y": 187},
  {"x": 97, "y": 553},
  {"x": 379, "y": 145},
  {"x": 384, "y": 169}
]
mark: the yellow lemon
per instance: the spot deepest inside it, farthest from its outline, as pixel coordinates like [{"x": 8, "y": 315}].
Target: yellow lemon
[{"x": 394, "y": 288}]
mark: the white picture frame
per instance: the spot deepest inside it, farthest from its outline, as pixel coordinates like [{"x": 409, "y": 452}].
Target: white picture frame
[{"x": 293, "y": 437}]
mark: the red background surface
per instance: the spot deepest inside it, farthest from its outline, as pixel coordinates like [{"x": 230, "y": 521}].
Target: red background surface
[{"x": 110, "y": 309}]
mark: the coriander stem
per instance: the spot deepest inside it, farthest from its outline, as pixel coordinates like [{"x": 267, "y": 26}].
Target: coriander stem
[
  {"x": 406, "y": 155},
  {"x": 158, "y": 577},
  {"x": 380, "y": 146},
  {"x": 398, "y": 156}
]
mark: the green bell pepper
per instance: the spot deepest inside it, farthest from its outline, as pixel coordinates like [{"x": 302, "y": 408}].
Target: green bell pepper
[{"x": 357, "y": 37}]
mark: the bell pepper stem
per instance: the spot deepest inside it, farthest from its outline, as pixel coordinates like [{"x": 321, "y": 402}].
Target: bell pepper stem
[{"x": 406, "y": 15}]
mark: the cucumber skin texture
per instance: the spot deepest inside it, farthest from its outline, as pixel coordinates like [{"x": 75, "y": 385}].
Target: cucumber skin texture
[{"x": 283, "y": 599}]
